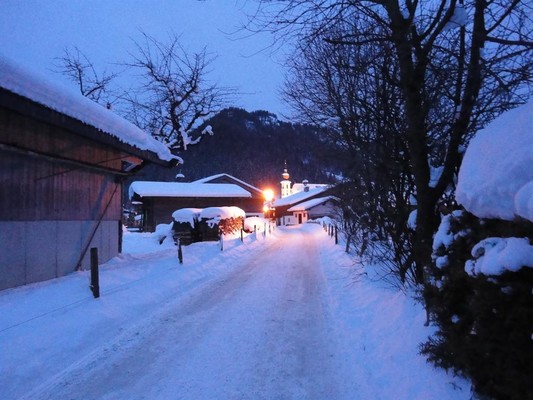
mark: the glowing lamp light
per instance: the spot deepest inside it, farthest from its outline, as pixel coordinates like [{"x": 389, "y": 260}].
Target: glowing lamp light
[
  {"x": 266, "y": 208},
  {"x": 269, "y": 194}
]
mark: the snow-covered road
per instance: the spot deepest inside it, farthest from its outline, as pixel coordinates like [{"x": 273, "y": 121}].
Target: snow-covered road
[
  {"x": 275, "y": 317},
  {"x": 258, "y": 333}
]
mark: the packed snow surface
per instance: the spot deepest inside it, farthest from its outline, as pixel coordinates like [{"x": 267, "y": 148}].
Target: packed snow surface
[
  {"x": 496, "y": 176},
  {"x": 182, "y": 189},
  {"x": 286, "y": 315},
  {"x": 40, "y": 89}
]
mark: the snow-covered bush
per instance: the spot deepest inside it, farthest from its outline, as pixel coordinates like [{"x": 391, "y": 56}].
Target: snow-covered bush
[
  {"x": 479, "y": 291},
  {"x": 220, "y": 220},
  {"x": 479, "y": 295}
]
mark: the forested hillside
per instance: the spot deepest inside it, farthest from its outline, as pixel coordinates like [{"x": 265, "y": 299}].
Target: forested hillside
[{"x": 253, "y": 146}]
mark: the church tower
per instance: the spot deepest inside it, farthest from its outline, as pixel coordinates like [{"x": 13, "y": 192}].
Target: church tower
[{"x": 285, "y": 183}]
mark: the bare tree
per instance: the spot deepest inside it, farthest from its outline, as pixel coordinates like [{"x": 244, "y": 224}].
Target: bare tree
[
  {"x": 76, "y": 65},
  {"x": 457, "y": 64},
  {"x": 350, "y": 89},
  {"x": 173, "y": 94}
]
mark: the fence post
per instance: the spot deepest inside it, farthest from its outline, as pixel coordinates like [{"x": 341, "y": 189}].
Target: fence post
[
  {"x": 180, "y": 252},
  {"x": 221, "y": 242},
  {"x": 95, "y": 284},
  {"x": 265, "y": 230},
  {"x": 336, "y": 235},
  {"x": 242, "y": 239}
]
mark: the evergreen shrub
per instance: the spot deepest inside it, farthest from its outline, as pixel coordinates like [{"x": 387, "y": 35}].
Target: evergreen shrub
[{"x": 484, "y": 323}]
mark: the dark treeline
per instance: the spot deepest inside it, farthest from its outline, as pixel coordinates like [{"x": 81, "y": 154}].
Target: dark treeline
[{"x": 253, "y": 146}]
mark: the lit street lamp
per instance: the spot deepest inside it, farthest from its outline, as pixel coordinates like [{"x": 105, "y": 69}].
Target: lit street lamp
[{"x": 267, "y": 205}]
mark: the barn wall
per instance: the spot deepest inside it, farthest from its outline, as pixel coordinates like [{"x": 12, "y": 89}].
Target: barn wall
[
  {"x": 34, "y": 251},
  {"x": 50, "y": 208},
  {"x": 36, "y": 189},
  {"x": 28, "y": 133}
]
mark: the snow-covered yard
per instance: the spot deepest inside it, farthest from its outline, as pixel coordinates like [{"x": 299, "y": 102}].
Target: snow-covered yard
[{"x": 280, "y": 317}]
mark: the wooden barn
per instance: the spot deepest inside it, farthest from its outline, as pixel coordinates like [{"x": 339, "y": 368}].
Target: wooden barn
[
  {"x": 62, "y": 162},
  {"x": 158, "y": 200}
]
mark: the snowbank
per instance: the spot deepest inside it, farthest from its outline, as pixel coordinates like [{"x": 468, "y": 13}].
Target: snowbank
[
  {"x": 493, "y": 256},
  {"x": 496, "y": 177},
  {"x": 254, "y": 223},
  {"x": 40, "y": 89}
]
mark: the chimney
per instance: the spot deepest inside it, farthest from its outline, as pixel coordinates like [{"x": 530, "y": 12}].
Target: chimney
[{"x": 305, "y": 182}]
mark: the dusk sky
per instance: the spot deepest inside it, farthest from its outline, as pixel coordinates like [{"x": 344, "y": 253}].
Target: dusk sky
[{"x": 34, "y": 32}]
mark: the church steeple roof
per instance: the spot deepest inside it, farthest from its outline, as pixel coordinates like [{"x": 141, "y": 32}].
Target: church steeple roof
[{"x": 285, "y": 174}]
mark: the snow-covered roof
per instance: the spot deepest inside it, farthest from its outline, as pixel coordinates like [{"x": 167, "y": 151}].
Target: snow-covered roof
[
  {"x": 213, "y": 177},
  {"x": 307, "y": 205},
  {"x": 298, "y": 197},
  {"x": 496, "y": 176},
  {"x": 40, "y": 89},
  {"x": 180, "y": 189},
  {"x": 298, "y": 187}
]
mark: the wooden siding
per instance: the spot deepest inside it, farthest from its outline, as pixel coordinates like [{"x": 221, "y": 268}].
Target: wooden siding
[
  {"x": 36, "y": 187},
  {"x": 24, "y": 133},
  {"x": 35, "y": 190}
]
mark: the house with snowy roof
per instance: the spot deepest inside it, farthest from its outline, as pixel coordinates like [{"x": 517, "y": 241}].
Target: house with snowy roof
[
  {"x": 302, "y": 201},
  {"x": 302, "y": 206},
  {"x": 314, "y": 208},
  {"x": 62, "y": 162},
  {"x": 158, "y": 200}
]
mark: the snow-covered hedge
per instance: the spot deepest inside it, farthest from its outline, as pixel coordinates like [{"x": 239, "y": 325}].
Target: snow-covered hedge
[
  {"x": 479, "y": 289},
  {"x": 496, "y": 176}
]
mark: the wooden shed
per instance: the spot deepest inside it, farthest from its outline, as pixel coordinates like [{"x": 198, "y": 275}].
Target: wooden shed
[
  {"x": 62, "y": 162},
  {"x": 158, "y": 200}
]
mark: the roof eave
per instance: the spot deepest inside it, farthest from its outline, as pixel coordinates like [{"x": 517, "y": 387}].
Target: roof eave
[{"x": 27, "y": 107}]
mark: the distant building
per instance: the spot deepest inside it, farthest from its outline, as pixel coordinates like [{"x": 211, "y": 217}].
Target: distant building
[
  {"x": 158, "y": 200},
  {"x": 312, "y": 209},
  {"x": 62, "y": 162},
  {"x": 287, "y": 189},
  {"x": 282, "y": 206}
]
